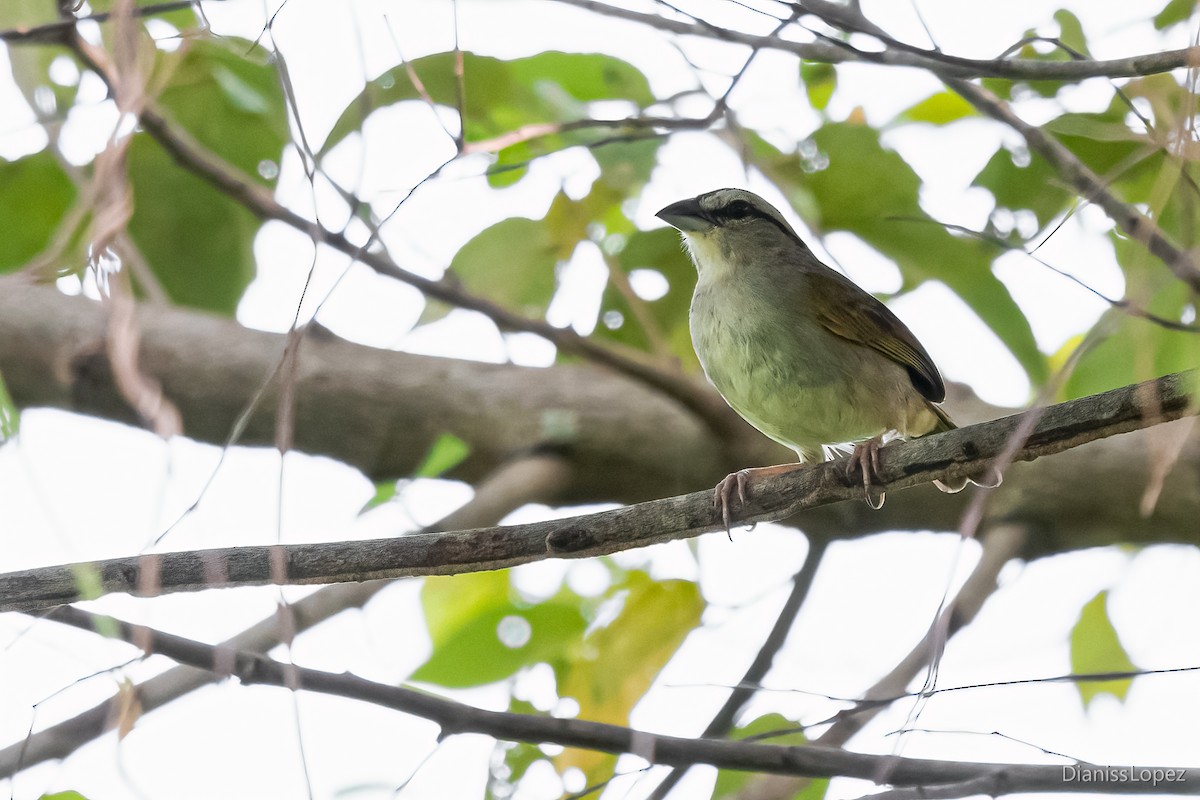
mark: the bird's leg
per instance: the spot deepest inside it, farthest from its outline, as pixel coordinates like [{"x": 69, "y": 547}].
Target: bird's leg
[
  {"x": 865, "y": 459},
  {"x": 738, "y": 483}
]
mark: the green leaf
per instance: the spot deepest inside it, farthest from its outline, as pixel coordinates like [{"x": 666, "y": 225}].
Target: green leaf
[
  {"x": 68, "y": 795},
  {"x": 384, "y": 492},
  {"x": 10, "y": 415},
  {"x": 35, "y": 194},
  {"x": 501, "y": 96},
  {"x": 820, "y": 82},
  {"x": 446, "y": 453},
  {"x": 1173, "y": 13},
  {"x": 938, "y": 109},
  {"x": 731, "y": 782},
  {"x": 198, "y": 242},
  {"x": 1031, "y": 185},
  {"x": 854, "y": 184},
  {"x": 619, "y": 662},
  {"x": 511, "y": 263},
  {"x": 1070, "y": 31},
  {"x": 482, "y": 634},
  {"x": 1096, "y": 648}
]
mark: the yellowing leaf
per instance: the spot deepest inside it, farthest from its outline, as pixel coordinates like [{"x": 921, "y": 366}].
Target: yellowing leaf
[
  {"x": 619, "y": 662},
  {"x": 938, "y": 109},
  {"x": 820, "y": 81}
]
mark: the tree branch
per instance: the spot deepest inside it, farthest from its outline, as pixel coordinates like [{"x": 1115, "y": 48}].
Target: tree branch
[
  {"x": 946, "y": 456},
  {"x": 1069, "y": 167},
  {"x": 453, "y": 717},
  {"x": 951, "y": 66},
  {"x": 53, "y": 32}
]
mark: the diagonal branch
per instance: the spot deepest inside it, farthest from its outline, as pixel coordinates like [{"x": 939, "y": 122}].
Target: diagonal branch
[
  {"x": 946, "y": 457},
  {"x": 453, "y": 718}
]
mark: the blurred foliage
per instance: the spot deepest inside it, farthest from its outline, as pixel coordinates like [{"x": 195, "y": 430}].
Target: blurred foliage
[
  {"x": 605, "y": 651},
  {"x": 819, "y": 81},
  {"x": 198, "y": 241},
  {"x": 1096, "y": 649},
  {"x": 446, "y": 453},
  {"x": 35, "y": 195}
]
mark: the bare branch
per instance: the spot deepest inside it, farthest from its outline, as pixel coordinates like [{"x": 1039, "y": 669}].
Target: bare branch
[
  {"x": 53, "y": 32},
  {"x": 1001, "y": 543},
  {"x": 453, "y": 718}
]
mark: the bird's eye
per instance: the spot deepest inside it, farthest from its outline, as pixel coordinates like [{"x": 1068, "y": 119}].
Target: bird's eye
[{"x": 739, "y": 209}]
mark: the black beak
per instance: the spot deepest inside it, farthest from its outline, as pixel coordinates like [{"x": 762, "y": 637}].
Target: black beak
[{"x": 687, "y": 216}]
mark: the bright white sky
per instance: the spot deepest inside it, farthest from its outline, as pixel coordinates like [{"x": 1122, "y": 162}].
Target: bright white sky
[{"x": 73, "y": 488}]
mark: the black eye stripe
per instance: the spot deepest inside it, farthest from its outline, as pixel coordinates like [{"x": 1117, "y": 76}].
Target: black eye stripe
[{"x": 740, "y": 209}]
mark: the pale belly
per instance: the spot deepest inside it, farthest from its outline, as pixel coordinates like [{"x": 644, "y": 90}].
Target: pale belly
[{"x": 806, "y": 388}]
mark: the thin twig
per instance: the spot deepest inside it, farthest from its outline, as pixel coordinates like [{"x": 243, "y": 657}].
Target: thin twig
[{"x": 453, "y": 718}]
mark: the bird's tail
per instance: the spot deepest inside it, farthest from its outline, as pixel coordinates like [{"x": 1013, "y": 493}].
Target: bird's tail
[{"x": 989, "y": 477}]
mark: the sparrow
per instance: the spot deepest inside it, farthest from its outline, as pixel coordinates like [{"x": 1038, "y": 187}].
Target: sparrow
[{"x": 797, "y": 349}]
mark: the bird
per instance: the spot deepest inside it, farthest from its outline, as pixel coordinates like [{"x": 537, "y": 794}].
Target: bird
[{"x": 797, "y": 349}]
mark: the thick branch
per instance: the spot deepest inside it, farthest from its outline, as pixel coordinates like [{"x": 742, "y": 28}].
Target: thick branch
[
  {"x": 806, "y": 760},
  {"x": 379, "y": 411},
  {"x": 945, "y": 456}
]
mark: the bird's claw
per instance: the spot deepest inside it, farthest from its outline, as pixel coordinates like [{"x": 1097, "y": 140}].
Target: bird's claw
[
  {"x": 723, "y": 495},
  {"x": 865, "y": 460}
]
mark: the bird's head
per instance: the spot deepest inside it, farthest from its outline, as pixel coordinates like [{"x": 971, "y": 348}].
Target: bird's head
[{"x": 724, "y": 226}]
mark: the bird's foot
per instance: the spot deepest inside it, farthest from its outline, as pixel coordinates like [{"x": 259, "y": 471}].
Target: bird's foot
[
  {"x": 865, "y": 460},
  {"x": 733, "y": 483},
  {"x": 737, "y": 484}
]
